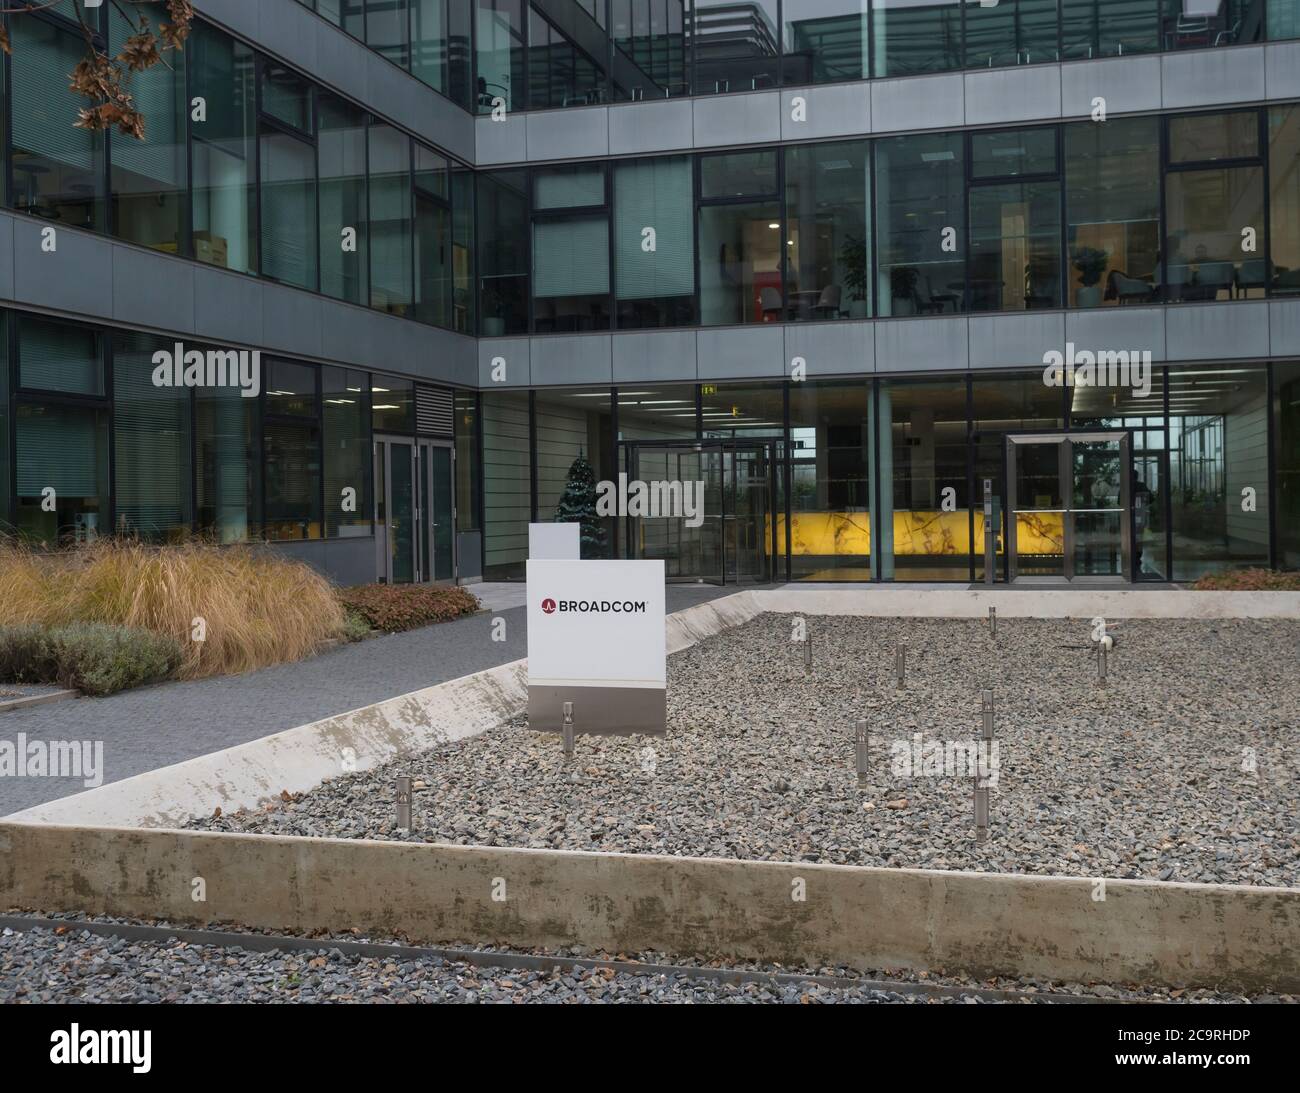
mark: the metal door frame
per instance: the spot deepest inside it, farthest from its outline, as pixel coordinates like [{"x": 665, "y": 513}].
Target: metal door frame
[
  {"x": 425, "y": 522},
  {"x": 722, "y": 445},
  {"x": 1065, "y": 442},
  {"x": 422, "y": 514}
]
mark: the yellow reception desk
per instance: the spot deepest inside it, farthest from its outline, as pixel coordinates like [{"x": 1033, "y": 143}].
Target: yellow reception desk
[{"x": 931, "y": 533}]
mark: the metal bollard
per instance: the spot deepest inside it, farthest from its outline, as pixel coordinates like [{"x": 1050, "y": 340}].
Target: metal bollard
[
  {"x": 807, "y": 653},
  {"x": 566, "y": 731},
  {"x": 986, "y": 711},
  {"x": 404, "y": 803},
  {"x": 900, "y": 665},
  {"x": 860, "y": 750},
  {"x": 981, "y": 787},
  {"x": 993, "y": 623}
]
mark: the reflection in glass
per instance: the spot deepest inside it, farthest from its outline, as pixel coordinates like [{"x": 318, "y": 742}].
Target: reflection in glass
[{"x": 733, "y": 46}]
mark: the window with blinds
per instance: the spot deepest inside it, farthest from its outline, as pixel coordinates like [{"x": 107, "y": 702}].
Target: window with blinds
[
  {"x": 655, "y": 193},
  {"x": 570, "y": 249},
  {"x": 341, "y": 153},
  {"x": 59, "y": 357},
  {"x": 288, "y": 187},
  {"x": 571, "y": 257},
  {"x": 390, "y": 219},
  {"x": 151, "y": 444}
]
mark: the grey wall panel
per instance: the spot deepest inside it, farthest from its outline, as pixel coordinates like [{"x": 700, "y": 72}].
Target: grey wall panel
[
  {"x": 469, "y": 554},
  {"x": 339, "y": 61},
  {"x": 1284, "y": 328},
  {"x": 645, "y": 127},
  {"x": 504, "y": 141},
  {"x": 918, "y": 102},
  {"x": 288, "y": 30},
  {"x": 577, "y": 133},
  {"x": 830, "y": 349},
  {"x": 391, "y": 92},
  {"x": 513, "y": 352},
  {"x": 571, "y": 359},
  {"x": 836, "y": 110},
  {"x": 1206, "y": 77},
  {"x": 654, "y": 356},
  {"x": 237, "y": 15},
  {"x": 6, "y": 257},
  {"x": 1282, "y": 70},
  {"x": 346, "y": 562},
  {"x": 446, "y": 356},
  {"x": 1013, "y": 94},
  {"x": 152, "y": 289},
  {"x": 292, "y": 321},
  {"x": 1132, "y": 328},
  {"x": 921, "y": 345},
  {"x": 1128, "y": 84},
  {"x": 77, "y": 276},
  {"x": 402, "y": 346},
  {"x": 751, "y": 118},
  {"x": 1002, "y": 341},
  {"x": 1196, "y": 332},
  {"x": 349, "y": 333},
  {"x": 448, "y": 126},
  {"x": 740, "y": 352}
]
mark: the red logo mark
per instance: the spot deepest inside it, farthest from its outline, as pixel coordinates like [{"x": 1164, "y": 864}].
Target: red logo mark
[{"x": 548, "y": 606}]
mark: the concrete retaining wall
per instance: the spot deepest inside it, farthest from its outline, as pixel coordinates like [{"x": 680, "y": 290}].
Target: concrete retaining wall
[{"x": 984, "y": 924}]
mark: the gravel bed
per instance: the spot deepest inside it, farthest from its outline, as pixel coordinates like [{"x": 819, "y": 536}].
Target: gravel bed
[
  {"x": 1182, "y": 768},
  {"x": 39, "y": 965}
]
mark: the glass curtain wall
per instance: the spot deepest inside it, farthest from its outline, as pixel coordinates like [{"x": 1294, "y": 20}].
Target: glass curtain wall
[
  {"x": 228, "y": 473},
  {"x": 288, "y": 180},
  {"x": 573, "y": 425},
  {"x": 912, "y": 38},
  {"x": 1283, "y": 270},
  {"x": 502, "y": 262},
  {"x": 344, "y": 216},
  {"x": 741, "y": 241},
  {"x": 499, "y": 55},
  {"x": 1011, "y": 32},
  {"x": 468, "y": 478},
  {"x": 828, "y": 203},
  {"x": 570, "y": 249},
  {"x": 507, "y": 483},
  {"x": 825, "y": 41},
  {"x": 1286, "y": 439},
  {"x": 391, "y": 242},
  {"x": 345, "y": 435},
  {"x": 434, "y": 247},
  {"x": 649, "y": 49},
  {"x": 291, "y": 451},
  {"x": 568, "y": 46},
  {"x": 734, "y": 47},
  {"x": 654, "y": 242}
]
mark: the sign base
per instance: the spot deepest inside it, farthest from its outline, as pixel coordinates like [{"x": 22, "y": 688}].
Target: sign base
[{"x": 599, "y": 711}]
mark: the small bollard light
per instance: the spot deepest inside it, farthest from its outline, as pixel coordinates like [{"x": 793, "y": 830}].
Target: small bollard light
[
  {"x": 986, "y": 711},
  {"x": 807, "y": 653},
  {"x": 860, "y": 750},
  {"x": 1101, "y": 662},
  {"x": 404, "y": 803},
  {"x": 566, "y": 731},
  {"x": 900, "y": 665},
  {"x": 981, "y": 784},
  {"x": 993, "y": 623},
  {"x": 981, "y": 811}
]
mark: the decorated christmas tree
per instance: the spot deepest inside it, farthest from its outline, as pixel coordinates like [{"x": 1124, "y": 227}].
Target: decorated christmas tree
[{"x": 578, "y": 504}]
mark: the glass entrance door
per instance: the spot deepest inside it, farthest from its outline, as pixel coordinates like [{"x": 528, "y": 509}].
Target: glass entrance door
[
  {"x": 732, "y": 539},
  {"x": 414, "y": 510},
  {"x": 1069, "y": 507}
]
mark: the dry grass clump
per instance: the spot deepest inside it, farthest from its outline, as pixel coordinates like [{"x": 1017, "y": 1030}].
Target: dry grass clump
[{"x": 258, "y": 608}]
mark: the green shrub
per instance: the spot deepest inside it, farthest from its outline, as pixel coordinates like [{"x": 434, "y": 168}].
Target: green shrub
[
  {"x": 93, "y": 658},
  {"x": 356, "y": 627},
  {"x": 1248, "y": 580},
  {"x": 395, "y": 607}
]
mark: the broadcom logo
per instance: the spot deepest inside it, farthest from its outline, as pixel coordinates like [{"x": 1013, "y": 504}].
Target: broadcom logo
[
  {"x": 548, "y": 606},
  {"x": 594, "y": 607}
]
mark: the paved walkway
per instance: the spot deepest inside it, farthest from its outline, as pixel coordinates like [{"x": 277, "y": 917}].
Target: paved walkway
[{"x": 155, "y": 727}]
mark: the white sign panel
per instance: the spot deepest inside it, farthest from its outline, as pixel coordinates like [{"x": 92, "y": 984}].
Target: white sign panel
[
  {"x": 596, "y": 638},
  {"x": 555, "y": 542}
]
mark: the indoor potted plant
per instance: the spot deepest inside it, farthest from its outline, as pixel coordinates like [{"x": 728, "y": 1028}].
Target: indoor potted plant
[
  {"x": 853, "y": 256},
  {"x": 1091, "y": 264}
]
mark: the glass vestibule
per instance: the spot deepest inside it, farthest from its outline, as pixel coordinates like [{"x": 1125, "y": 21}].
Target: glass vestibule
[
  {"x": 1069, "y": 506},
  {"x": 414, "y": 510}
]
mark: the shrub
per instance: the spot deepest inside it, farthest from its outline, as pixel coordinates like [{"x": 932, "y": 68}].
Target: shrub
[
  {"x": 95, "y": 658},
  {"x": 394, "y": 607},
  {"x": 1248, "y": 580},
  {"x": 258, "y": 608},
  {"x": 356, "y": 627}
]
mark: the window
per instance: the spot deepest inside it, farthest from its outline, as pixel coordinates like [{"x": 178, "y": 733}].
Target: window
[
  {"x": 59, "y": 357},
  {"x": 570, "y": 249},
  {"x": 734, "y": 46},
  {"x": 1112, "y": 197},
  {"x": 1015, "y": 227},
  {"x": 573, "y": 425},
  {"x": 344, "y": 219},
  {"x": 830, "y": 481},
  {"x": 911, "y": 38},
  {"x": 740, "y": 239},
  {"x": 825, "y": 41},
  {"x": 392, "y": 404},
  {"x": 923, "y": 461},
  {"x": 224, "y": 197},
  {"x": 567, "y": 46},
  {"x": 828, "y": 201},
  {"x": 462, "y": 261},
  {"x": 151, "y": 444},
  {"x": 345, "y": 421},
  {"x": 499, "y": 55},
  {"x": 507, "y": 475},
  {"x": 63, "y": 449},
  {"x": 1286, "y": 432},
  {"x": 1191, "y": 25},
  {"x": 227, "y": 470},
  {"x": 1284, "y": 207},
  {"x": 1208, "y": 204},
  {"x": 5, "y": 480},
  {"x": 468, "y": 478},
  {"x": 291, "y": 451},
  {"x": 1011, "y": 32},
  {"x": 440, "y": 47},
  {"x": 649, "y": 41},
  {"x": 433, "y": 242},
  {"x": 391, "y": 242},
  {"x": 388, "y": 28},
  {"x": 288, "y": 187},
  {"x": 655, "y": 286},
  {"x": 1109, "y": 28},
  {"x": 1283, "y": 19},
  {"x": 921, "y": 225},
  {"x": 57, "y": 169},
  {"x": 503, "y": 261}
]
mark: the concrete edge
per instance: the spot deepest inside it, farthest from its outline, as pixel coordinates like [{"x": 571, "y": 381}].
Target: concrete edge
[
  {"x": 984, "y": 924},
  {"x": 37, "y": 700}
]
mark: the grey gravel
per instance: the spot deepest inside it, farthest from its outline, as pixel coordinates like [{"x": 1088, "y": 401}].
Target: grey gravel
[{"x": 1142, "y": 778}]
